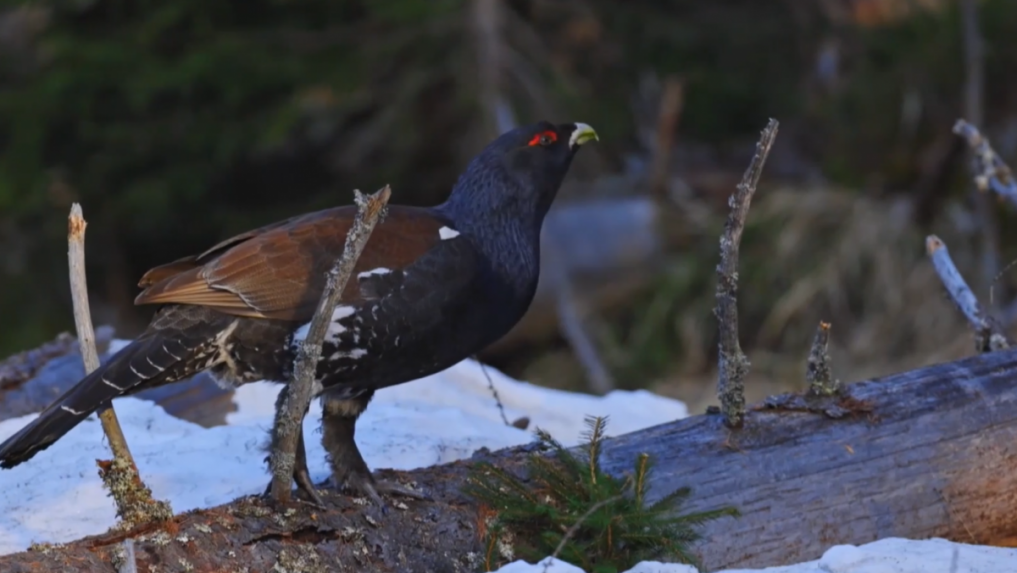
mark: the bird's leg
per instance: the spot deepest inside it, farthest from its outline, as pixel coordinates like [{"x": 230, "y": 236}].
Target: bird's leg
[
  {"x": 338, "y": 420},
  {"x": 301, "y": 475}
]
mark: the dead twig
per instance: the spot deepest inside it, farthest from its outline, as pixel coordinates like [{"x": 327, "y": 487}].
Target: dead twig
[
  {"x": 817, "y": 373},
  {"x": 494, "y": 391},
  {"x": 990, "y": 171},
  {"x": 733, "y": 364},
  {"x": 989, "y": 335},
  {"x": 290, "y": 414},
  {"x": 132, "y": 497}
]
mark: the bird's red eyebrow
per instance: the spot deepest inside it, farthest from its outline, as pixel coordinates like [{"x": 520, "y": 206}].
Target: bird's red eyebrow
[{"x": 549, "y": 133}]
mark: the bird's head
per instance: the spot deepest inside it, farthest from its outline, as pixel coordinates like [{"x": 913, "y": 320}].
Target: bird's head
[{"x": 519, "y": 173}]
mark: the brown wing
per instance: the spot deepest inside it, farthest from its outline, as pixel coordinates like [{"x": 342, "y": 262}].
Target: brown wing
[
  {"x": 161, "y": 272},
  {"x": 279, "y": 271}
]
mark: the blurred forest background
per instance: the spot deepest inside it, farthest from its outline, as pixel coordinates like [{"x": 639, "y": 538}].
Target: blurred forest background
[{"x": 180, "y": 122}]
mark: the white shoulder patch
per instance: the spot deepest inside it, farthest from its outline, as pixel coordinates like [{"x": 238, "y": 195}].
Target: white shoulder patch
[
  {"x": 377, "y": 271},
  {"x": 447, "y": 233}
]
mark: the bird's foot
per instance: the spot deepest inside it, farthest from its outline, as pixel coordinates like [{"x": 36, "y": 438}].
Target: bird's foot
[
  {"x": 304, "y": 485},
  {"x": 366, "y": 485}
]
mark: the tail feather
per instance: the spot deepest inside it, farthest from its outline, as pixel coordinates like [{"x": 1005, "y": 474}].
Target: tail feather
[{"x": 149, "y": 361}]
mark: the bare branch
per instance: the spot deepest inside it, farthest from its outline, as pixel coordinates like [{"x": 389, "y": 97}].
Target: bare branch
[
  {"x": 817, "y": 373},
  {"x": 990, "y": 171},
  {"x": 79, "y": 295},
  {"x": 290, "y": 415},
  {"x": 132, "y": 497},
  {"x": 989, "y": 335},
  {"x": 733, "y": 364},
  {"x": 494, "y": 391}
]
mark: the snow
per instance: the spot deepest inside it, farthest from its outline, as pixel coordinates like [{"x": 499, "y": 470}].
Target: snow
[
  {"x": 58, "y": 497},
  {"x": 891, "y": 555}
]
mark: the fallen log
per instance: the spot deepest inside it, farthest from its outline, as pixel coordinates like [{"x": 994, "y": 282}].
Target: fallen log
[{"x": 931, "y": 452}]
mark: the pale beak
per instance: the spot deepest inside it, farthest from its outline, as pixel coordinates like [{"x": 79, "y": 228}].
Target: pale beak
[{"x": 581, "y": 135}]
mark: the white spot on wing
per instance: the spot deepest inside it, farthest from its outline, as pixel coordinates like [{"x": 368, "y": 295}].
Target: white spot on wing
[
  {"x": 377, "y": 271},
  {"x": 71, "y": 410},
  {"x": 356, "y": 354},
  {"x": 447, "y": 233},
  {"x": 334, "y": 328},
  {"x": 301, "y": 333}
]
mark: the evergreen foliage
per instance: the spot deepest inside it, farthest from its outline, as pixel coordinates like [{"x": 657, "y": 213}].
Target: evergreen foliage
[{"x": 568, "y": 505}]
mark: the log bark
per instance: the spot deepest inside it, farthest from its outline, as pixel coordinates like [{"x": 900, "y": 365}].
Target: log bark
[{"x": 931, "y": 452}]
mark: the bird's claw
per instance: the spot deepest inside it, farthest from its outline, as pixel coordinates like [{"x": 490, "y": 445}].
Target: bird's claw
[
  {"x": 371, "y": 488},
  {"x": 304, "y": 486}
]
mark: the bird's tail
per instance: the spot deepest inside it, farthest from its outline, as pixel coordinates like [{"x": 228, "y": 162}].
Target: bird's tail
[{"x": 153, "y": 359}]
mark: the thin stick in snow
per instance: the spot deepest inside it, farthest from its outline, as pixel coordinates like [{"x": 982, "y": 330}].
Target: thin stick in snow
[
  {"x": 817, "y": 373},
  {"x": 733, "y": 364},
  {"x": 290, "y": 415},
  {"x": 132, "y": 497},
  {"x": 989, "y": 335},
  {"x": 990, "y": 171}
]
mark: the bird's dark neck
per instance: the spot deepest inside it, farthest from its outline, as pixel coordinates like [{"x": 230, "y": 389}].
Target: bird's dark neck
[{"x": 504, "y": 223}]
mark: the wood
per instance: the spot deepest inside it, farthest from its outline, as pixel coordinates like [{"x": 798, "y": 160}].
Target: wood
[
  {"x": 989, "y": 333},
  {"x": 120, "y": 475},
  {"x": 289, "y": 419},
  {"x": 733, "y": 365},
  {"x": 86, "y": 336},
  {"x": 932, "y": 452}
]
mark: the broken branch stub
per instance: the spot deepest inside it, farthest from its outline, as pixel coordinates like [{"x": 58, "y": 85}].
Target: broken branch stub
[
  {"x": 817, "y": 373},
  {"x": 989, "y": 335},
  {"x": 990, "y": 171},
  {"x": 132, "y": 497},
  {"x": 733, "y": 364}
]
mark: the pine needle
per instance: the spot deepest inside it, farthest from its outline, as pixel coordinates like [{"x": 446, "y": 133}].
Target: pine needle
[{"x": 568, "y": 507}]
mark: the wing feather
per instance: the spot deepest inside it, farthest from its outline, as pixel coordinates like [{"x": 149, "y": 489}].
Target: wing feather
[{"x": 278, "y": 271}]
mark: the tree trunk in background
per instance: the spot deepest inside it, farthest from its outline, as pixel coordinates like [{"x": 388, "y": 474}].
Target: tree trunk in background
[{"x": 931, "y": 452}]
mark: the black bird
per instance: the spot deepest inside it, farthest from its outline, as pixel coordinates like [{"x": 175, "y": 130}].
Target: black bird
[{"x": 432, "y": 287}]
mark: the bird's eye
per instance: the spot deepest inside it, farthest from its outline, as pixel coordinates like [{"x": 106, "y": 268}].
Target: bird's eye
[{"x": 545, "y": 138}]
